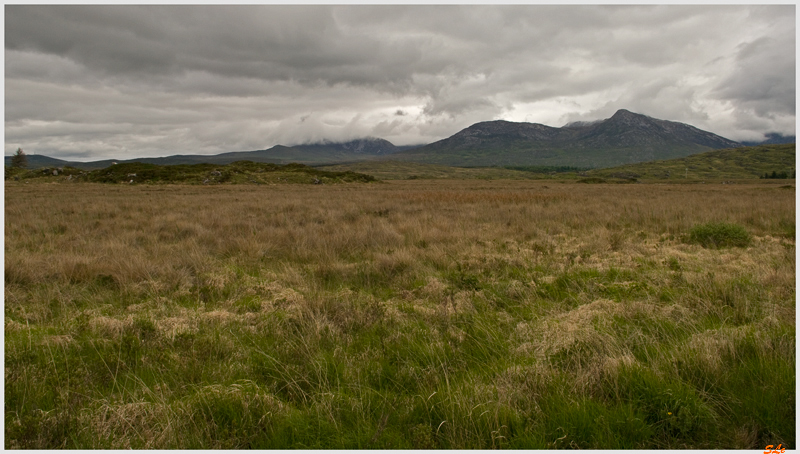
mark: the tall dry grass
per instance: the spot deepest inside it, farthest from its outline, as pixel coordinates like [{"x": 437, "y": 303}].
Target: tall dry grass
[{"x": 462, "y": 314}]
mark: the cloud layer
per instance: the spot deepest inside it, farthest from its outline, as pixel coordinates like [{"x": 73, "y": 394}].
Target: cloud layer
[{"x": 86, "y": 82}]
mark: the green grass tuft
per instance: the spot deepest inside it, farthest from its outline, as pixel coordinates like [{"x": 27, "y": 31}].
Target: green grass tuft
[{"x": 720, "y": 235}]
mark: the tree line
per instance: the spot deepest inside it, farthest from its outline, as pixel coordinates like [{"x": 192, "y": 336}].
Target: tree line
[{"x": 777, "y": 175}]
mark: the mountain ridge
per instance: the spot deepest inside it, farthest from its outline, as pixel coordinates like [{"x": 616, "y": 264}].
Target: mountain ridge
[{"x": 624, "y": 138}]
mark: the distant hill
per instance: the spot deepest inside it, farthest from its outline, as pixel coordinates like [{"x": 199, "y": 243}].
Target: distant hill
[
  {"x": 35, "y": 161},
  {"x": 624, "y": 138},
  {"x": 320, "y": 153},
  {"x": 727, "y": 164}
]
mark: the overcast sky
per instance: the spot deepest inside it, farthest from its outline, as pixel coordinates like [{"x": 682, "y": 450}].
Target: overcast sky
[{"x": 91, "y": 82}]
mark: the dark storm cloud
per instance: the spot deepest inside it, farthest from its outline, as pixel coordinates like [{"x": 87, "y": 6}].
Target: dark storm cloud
[{"x": 111, "y": 81}]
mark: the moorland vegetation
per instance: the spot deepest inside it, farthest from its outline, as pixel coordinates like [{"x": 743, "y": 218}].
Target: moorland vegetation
[{"x": 408, "y": 314}]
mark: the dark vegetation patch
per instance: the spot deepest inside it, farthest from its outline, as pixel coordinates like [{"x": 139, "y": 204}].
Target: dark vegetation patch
[
  {"x": 548, "y": 169},
  {"x": 719, "y": 235},
  {"x": 598, "y": 180},
  {"x": 239, "y": 172},
  {"x": 782, "y": 175}
]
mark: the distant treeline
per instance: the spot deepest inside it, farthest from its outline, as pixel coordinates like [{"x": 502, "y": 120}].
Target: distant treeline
[
  {"x": 547, "y": 169},
  {"x": 777, "y": 175}
]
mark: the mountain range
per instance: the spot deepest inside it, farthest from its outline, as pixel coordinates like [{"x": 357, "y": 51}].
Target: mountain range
[{"x": 624, "y": 138}]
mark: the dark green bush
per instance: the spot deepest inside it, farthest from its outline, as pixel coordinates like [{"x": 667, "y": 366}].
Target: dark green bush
[
  {"x": 719, "y": 235},
  {"x": 592, "y": 180}
]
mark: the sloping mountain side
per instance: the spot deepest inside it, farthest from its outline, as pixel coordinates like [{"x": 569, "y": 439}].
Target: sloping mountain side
[
  {"x": 624, "y": 138},
  {"x": 727, "y": 164},
  {"x": 240, "y": 172},
  {"x": 322, "y": 153}
]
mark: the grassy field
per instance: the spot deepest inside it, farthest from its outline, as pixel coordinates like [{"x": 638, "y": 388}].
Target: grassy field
[{"x": 403, "y": 314}]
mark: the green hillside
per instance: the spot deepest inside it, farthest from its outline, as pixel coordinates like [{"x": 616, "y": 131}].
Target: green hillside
[{"x": 726, "y": 164}]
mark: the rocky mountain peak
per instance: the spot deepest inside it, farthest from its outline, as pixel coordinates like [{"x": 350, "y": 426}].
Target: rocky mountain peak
[
  {"x": 625, "y": 113},
  {"x": 629, "y": 118}
]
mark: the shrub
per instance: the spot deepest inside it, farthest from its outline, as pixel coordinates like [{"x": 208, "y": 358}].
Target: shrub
[
  {"x": 719, "y": 235},
  {"x": 592, "y": 180}
]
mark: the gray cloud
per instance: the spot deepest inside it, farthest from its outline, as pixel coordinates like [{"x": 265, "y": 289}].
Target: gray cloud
[
  {"x": 764, "y": 78},
  {"x": 120, "y": 81}
]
